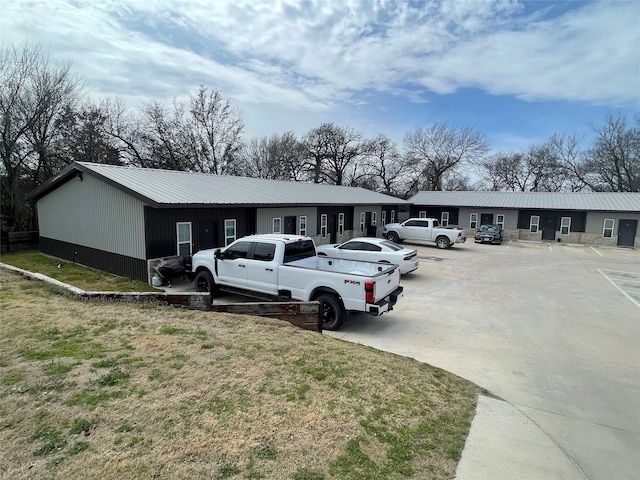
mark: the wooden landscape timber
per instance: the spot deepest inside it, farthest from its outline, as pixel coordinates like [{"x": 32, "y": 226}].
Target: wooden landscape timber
[{"x": 305, "y": 315}]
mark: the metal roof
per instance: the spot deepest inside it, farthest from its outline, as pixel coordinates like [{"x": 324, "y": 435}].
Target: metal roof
[
  {"x": 175, "y": 188},
  {"x": 586, "y": 201}
]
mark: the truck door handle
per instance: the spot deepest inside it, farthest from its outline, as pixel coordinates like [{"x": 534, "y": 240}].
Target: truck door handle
[
  {"x": 242, "y": 266},
  {"x": 269, "y": 269}
]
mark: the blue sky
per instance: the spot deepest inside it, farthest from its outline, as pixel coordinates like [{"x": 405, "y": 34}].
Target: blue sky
[{"x": 516, "y": 71}]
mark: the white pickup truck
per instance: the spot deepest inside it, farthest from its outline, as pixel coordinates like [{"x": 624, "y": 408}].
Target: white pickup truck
[
  {"x": 424, "y": 230},
  {"x": 286, "y": 267}
]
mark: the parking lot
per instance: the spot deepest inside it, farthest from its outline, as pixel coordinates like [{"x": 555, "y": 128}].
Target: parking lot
[{"x": 552, "y": 328}]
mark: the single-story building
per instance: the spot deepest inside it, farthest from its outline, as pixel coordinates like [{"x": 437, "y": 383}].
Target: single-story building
[
  {"x": 608, "y": 218},
  {"x": 123, "y": 219}
]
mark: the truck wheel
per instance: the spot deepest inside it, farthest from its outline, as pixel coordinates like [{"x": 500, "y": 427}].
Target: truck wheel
[
  {"x": 205, "y": 283},
  {"x": 442, "y": 242},
  {"x": 332, "y": 311},
  {"x": 393, "y": 237}
]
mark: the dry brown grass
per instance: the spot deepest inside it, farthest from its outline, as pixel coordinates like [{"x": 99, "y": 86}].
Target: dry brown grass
[{"x": 112, "y": 391}]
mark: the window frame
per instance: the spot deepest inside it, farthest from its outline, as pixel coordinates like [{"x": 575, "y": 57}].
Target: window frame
[
  {"x": 362, "y": 219},
  {"x": 384, "y": 217},
  {"x": 230, "y": 223},
  {"x": 340, "y": 223},
  {"x": 610, "y": 229},
  {"x": 323, "y": 225},
  {"x": 473, "y": 223},
  {"x": 562, "y": 225},
  {"x": 444, "y": 219},
  {"x": 374, "y": 218},
  {"x": 422, "y": 214},
  {"x": 278, "y": 221},
  {"x": 500, "y": 222},
  {"x": 393, "y": 216},
  {"x": 182, "y": 242},
  {"x": 535, "y": 224},
  {"x": 302, "y": 221}
]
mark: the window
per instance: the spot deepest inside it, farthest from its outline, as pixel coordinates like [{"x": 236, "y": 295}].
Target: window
[
  {"x": 534, "y": 223},
  {"x": 184, "y": 238},
  {"x": 374, "y": 218},
  {"x": 565, "y": 225},
  {"x": 239, "y": 250},
  {"x": 340, "y": 223},
  {"x": 229, "y": 231},
  {"x": 445, "y": 219},
  {"x": 607, "y": 231},
  {"x": 264, "y": 252},
  {"x": 323, "y": 225},
  {"x": 277, "y": 225},
  {"x": 393, "y": 216},
  {"x": 384, "y": 217},
  {"x": 500, "y": 221},
  {"x": 303, "y": 225},
  {"x": 473, "y": 221},
  {"x": 422, "y": 214},
  {"x": 362, "y": 222}
]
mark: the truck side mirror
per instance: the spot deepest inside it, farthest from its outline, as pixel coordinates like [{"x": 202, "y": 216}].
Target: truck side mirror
[{"x": 217, "y": 253}]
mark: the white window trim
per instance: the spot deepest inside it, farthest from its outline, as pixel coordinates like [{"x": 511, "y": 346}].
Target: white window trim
[
  {"x": 473, "y": 222},
  {"x": 183, "y": 241},
  {"x": 323, "y": 225},
  {"x": 228, "y": 239},
  {"x": 535, "y": 223},
  {"x": 393, "y": 216},
  {"x": 605, "y": 228},
  {"x": 278, "y": 221},
  {"x": 384, "y": 217},
  {"x": 303, "y": 225},
  {"x": 500, "y": 222},
  {"x": 422, "y": 214},
  {"x": 374, "y": 218},
  {"x": 568, "y": 225},
  {"x": 444, "y": 219},
  {"x": 340, "y": 223},
  {"x": 362, "y": 218}
]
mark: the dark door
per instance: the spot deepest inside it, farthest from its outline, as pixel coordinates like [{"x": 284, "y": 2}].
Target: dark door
[
  {"x": 206, "y": 235},
  {"x": 332, "y": 227},
  {"x": 627, "y": 232},
  {"x": 486, "y": 218},
  {"x": 289, "y": 225},
  {"x": 369, "y": 230},
  {"x": 549, "y": 227}
]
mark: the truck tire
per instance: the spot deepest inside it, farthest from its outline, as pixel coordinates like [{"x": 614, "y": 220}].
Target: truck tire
[
  {"x": 205, "y": 283},
  {"x": 332, "y": 311},
  {"x": 442, "y": 242},
  {"x": 393, "y": 237}
]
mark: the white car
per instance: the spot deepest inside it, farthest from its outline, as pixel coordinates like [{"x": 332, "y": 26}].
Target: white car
[{"x": 371, "y": 249}]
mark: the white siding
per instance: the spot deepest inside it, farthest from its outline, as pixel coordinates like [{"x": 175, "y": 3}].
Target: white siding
[{"x": 94, "y": 214}]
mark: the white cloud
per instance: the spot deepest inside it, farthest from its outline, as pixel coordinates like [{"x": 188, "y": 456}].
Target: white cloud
[{"x": 321, "y": 55}]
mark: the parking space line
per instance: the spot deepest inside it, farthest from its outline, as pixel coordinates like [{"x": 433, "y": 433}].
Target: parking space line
[
  {"x": 597, "y": 251},
  {"x": 619, "y": 289}
]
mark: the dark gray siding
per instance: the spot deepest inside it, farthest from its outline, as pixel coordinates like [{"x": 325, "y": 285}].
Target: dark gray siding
[
  {"x": 161, "y": 234},
  {"x": 578, "y": 219},
  {"x": 122, "y": 265}
]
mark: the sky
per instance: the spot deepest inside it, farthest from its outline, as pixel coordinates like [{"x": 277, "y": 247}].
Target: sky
[{"x": 517, "y": 72}]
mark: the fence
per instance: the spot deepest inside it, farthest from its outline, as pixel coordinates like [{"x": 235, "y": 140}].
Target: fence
[{"x": 16, "y": 241}]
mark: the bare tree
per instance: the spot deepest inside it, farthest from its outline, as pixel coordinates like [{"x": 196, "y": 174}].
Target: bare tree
[
  {"x": 613, "y": 164},
  {"x": 279, "y": 157},
  {"x": 33, "y": 95},
  {"x": 437, "y": 150},
  {"x": 217, "y": 128},
  {"x": 386, "y": 167}
]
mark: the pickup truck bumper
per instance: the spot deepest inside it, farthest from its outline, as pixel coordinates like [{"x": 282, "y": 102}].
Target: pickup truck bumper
[{"x": 386, "y": 304}]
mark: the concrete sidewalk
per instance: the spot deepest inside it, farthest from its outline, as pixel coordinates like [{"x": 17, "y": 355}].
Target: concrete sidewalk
[{"x": 504, "y": 444}]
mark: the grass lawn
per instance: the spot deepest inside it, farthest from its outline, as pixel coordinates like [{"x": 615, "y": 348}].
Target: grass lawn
[
  {"x": 112, "y": 391},
  {"x": 86, "y": 278}
]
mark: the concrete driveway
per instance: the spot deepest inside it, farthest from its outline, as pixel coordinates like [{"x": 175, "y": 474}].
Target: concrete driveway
[{"x": 552, "y": 328}]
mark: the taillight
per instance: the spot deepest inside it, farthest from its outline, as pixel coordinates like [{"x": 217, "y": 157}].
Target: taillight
[
  {"x": 370, "y": 292},
  {"x": 459, "y": 234}
]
